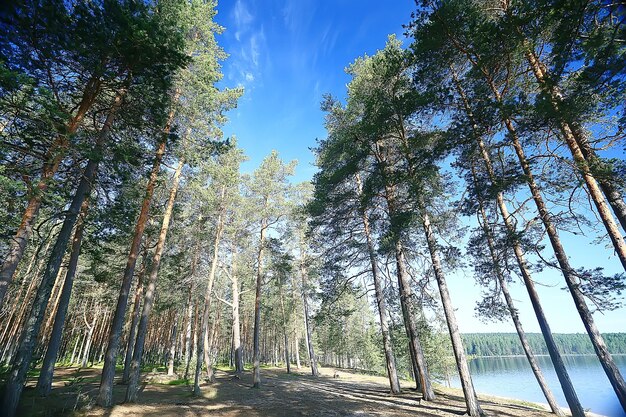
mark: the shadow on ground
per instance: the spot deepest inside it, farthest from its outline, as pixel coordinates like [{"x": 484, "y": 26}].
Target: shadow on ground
[{"x": 281, "y": 395}]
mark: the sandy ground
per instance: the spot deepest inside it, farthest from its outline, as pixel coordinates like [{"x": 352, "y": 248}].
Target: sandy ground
[{"x": 281, "y": 395}]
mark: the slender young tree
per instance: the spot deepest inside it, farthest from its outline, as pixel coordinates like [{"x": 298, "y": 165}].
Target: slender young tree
[{"x": 268, "y": 191}]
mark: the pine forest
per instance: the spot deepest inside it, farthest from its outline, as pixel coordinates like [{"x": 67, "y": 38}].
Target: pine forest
[{"x": 157, "y": 262}]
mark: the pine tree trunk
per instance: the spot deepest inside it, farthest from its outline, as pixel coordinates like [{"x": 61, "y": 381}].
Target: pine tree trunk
[
  {"x": 135, "y": 365},
  {"x": 606, "y": 360},
  {"x": 532, "y": 361},
  {"x": 188, "y": 325},
  {"x": 285, "y": 331},
  {"x": 257, "y": 309},
  {"x": 74, "y": 350},
  {"x": 17, "y": 376},
  {"x": 235, "y": 310},
  {"x": 105, "y": 391},
  {"x": 172, "y": 351},
  {"x": 296, "y": 351},
  {"x": 390, "y": 360},
  {"x": 586, "y": 159},
  {"x": 471, "y": 400},
  {"x": 92, "y": 328},
  {"x": 194, "y": 343},
  {"x": 555, "y": 356},
  {"x": 307, "y": 324},
  {"x": 132, "y": 332},
  {"x": 202, "y": 349},
  {"x": 44, "y": 383},
  {"x": 53, "y": 158}
]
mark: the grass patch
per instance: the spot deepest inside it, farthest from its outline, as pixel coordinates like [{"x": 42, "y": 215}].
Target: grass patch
[{"x": 183, "y": 381}]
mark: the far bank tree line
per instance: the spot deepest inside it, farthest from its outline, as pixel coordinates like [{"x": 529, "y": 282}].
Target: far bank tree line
[{"x": 508, "y": 344}]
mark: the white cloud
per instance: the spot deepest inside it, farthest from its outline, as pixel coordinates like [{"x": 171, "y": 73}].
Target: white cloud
[{"x": 242, "y": 15}]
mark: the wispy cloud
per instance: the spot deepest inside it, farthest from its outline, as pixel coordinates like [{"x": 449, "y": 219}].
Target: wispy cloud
[
  {"x": 251, "y": 45},
  {"x": 242, "y": 18}
]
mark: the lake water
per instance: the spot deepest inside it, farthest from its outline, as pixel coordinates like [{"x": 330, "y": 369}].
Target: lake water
[{"x": 512, "y": 377}]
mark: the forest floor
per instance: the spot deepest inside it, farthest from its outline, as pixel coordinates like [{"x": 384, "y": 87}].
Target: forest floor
[{"x": 281, "y": 395}]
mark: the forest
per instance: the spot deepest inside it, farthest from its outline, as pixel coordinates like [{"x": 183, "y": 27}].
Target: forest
[
  {"x": 491, "y": 140},
  {"x": 505, "y": 344}
]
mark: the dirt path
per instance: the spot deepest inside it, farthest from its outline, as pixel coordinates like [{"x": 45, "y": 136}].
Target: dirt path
[{"x": 281, "y": 395}]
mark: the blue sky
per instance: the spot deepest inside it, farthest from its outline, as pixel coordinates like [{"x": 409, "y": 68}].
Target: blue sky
[{"x": 287, "y": 54}]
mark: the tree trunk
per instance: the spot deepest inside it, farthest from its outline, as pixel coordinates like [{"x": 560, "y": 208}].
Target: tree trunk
[
  {"x": 390, "y": 360},
  {"x": 135, "y": 365},
  {"x": 203, "y": 340},
  {"x": 608, "y": 364},
  {"x": 555, "y": 356},
  {"x": 189, "y": 323},
  {"x": 44, "y": 384},
  {"x": 586, "y": 159},
  {"x": 235, "y": 310},
  {"x": 105, "y": 391},
  {"x": 92, "y": 328},
  {"x": 17, "y": 376},
  {"x": 132, "y": 332},
  {"x": 257, "y": 308},
  {"x": 471, "y": 400},
  {"x": 285, "y": 331},
  {"x": 534, "y": 365},
  {"x": 172, "y": 352},
  {"x": 53, "y": 158},
  {"x": 307, "y": 324}
]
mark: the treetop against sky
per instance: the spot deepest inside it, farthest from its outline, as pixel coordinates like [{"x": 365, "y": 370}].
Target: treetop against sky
[{"x": 287, "y": 54}]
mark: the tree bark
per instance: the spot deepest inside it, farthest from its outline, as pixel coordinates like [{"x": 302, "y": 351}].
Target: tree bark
[
  {"x": 135, "y": 365},
  {"x": 307, "y": 324},
  {"x": 17, "y": 376},
  {"x": 257, "y": 308},
  {"x": 417, "y": 355},
  {"x": 235, "y": 310},
  {"x": 92, "y": 328},
  {"x": 471, "y": 400},
  {"x": 172, "y": 351},
  {"x": 132, "y": 332},
  {"x": 44, "y": 383},
  {"x": 285, "y": 331}
]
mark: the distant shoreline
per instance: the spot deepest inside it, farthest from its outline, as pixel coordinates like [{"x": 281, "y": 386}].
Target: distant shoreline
[{"x": 540, "y": 354}]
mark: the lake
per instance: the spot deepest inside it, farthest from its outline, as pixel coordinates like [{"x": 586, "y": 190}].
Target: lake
[{"x": 512, "y": 377}]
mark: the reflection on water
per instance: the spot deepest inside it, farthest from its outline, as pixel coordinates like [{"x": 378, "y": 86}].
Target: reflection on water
[{"x": 512, "y": 377}]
